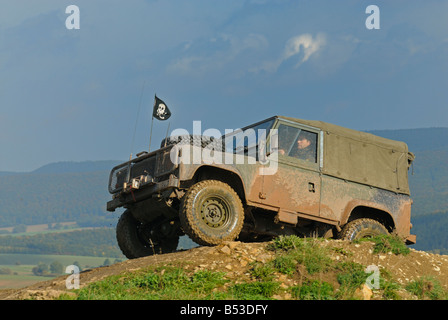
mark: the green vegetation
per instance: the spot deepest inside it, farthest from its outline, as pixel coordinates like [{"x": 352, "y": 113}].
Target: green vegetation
[
  {"x": 20, "y": 270},
  {"x": 156, "y": 284},
  {"x": 388, "y": 243},
  {"x": 43, "y": 269},
  {"x": 429, "y": 183},
  {"x": 305, "y": 262},
  {"x": 431, "y": 232},
  {"x": 21, "y": 253},
  {"x": 351, "y": 276},
  {"x": 314, "y": 290},
  {"x": 260, "y": 290},
  {"x": 294, "y": 250},
  {"x": 316, "y": 259},
  {"x": 42, "y": 198},
  {"x": 174, "y": 283},
  {"x": 19, "y": 260},
  {"x": 99, "y": 243},
  {"x": 427, "y": 287}
]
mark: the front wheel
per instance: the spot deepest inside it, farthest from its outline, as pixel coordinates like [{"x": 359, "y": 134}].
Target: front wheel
[
  {"x": 362, "y": 228},
  {"x": 137, "y": 239},
  {"x": 211, "y": 212}
]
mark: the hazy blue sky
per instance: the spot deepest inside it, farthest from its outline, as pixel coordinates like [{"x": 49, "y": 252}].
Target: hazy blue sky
[{"x": 73, "y": 95}]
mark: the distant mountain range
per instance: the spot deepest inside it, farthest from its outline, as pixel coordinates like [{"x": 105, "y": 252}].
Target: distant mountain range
[
  {"x": 57, "y": 192},
  {"x": 70, "y": 167},
  {"x": 428, "y": 177},
  {"x": 77, "y": 191},
  {"x": 425, "y": 139},
  {"x": 74, "y": 167}
]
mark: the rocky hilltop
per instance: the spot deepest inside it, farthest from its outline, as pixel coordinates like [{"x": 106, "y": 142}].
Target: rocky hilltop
[{"x": 296, "y": 267}]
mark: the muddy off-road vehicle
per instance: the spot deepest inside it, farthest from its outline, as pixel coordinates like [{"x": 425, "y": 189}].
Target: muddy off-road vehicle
[{"x": 347, "y": 184}]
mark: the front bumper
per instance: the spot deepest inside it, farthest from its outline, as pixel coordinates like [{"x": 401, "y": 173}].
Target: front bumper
[
  {"x": 132, "y": 195},
  {"x": 411, "y": 239}
]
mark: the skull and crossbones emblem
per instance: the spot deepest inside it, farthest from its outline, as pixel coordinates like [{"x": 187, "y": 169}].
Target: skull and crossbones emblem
[{"x": 161, "y": 109}]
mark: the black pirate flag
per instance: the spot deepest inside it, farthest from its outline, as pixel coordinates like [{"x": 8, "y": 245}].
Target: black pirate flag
[{"x": 160, "y": 111}]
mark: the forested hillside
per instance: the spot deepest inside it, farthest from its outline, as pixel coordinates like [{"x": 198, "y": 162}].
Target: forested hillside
[
  {"x": 431, "y": 230},
  {"x": 428, "y": 177},
  {"x": 57, "y": 193},
  {"x": 98, "y": 242},
  {"x": 429, "y": 183}
]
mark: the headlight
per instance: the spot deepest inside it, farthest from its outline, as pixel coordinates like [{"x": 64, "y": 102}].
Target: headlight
[{"x": 117, "y": 178}]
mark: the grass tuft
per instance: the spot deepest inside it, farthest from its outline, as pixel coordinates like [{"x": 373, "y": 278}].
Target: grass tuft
[{"x": 389, "y": 243}]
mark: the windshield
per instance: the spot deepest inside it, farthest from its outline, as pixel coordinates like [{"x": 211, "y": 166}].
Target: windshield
[{"x": 248, "y": 137}]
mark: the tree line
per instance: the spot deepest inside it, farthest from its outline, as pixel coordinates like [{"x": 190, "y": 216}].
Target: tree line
[
  {"x": 96, "y": 242},
  {"x": 431, "y": 232}
]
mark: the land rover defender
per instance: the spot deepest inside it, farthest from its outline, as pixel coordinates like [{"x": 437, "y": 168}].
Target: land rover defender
[{"x": 258, "y": 182}]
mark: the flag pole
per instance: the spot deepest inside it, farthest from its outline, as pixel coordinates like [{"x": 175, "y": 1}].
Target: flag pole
[
  {"x": 150, "y": 135},
  {"x": 167, "y": 130},
  {"x": 160, "y": 111},
  {"x": 152, "y": 122}
]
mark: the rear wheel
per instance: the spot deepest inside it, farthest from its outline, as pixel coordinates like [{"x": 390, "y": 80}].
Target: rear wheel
[
  {"x": 137, "y": 239},
  {"x": 362, "y": 228},
  {"x": 211, "y": 212}
]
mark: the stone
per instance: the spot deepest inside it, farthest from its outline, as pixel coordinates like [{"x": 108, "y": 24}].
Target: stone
[
  {"x": 225, "y": 250},
  {"x": 364, "y": 293}
]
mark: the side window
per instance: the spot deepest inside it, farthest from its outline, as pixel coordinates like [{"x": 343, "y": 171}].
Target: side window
[{"x": 297, "y": 143}]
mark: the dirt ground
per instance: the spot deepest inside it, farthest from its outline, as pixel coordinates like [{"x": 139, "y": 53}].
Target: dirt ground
[{"x": 234, "y": 258}]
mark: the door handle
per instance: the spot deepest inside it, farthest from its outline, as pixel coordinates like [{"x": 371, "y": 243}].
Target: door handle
[{"x": 311, "y": 187}]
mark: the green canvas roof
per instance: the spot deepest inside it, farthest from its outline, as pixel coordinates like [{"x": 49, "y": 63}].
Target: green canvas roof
[
  {"x": 363, "y": 157},
  {"x": 353, "y": 134}
]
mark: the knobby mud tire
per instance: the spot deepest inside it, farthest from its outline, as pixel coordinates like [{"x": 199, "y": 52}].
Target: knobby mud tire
[
  {"x": 128, "y": 239},
  {"x": 211, "y": 212},
  {"x": 131, "y": 243},
  {"x": 362, "y": 228}
]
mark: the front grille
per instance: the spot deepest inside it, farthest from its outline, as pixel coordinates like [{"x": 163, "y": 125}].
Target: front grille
[
  {"x": 144, "y": 167},
  {"x": 154, "y": 165},
  {"x": 118, "y": 177}
]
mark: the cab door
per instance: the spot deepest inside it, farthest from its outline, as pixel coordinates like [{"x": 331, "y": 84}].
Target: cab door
[{"x": 295, "y": 185}]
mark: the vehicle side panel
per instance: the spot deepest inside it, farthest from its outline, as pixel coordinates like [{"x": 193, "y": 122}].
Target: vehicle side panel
[{"x": 340, "y": 197}]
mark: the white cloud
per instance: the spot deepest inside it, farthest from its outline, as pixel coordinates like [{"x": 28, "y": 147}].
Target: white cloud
[
  {"x": 306, "y": 42},
  {"x": 304, "y": 45}
]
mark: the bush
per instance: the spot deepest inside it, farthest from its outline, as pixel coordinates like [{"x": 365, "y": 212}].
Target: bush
[
  {"x": 285, "y": 264},
  {"x": 56, "y": 267},
  {"x": 19, "y": 228},
  {"x": 389, "y": 243},
  {"x": 306, "y": 251},
  {"x": 255, "y": 290},
  {"x": 427, "y": 287},
  {"x": 40, "y": 270},
  {"x": 314, "y": 290},
  {"x": 351, "y": 277},
  {"x": 286, "y": 243},
  {"x": 5, "y": 271},
  {"x": 263, "y": 271}
]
